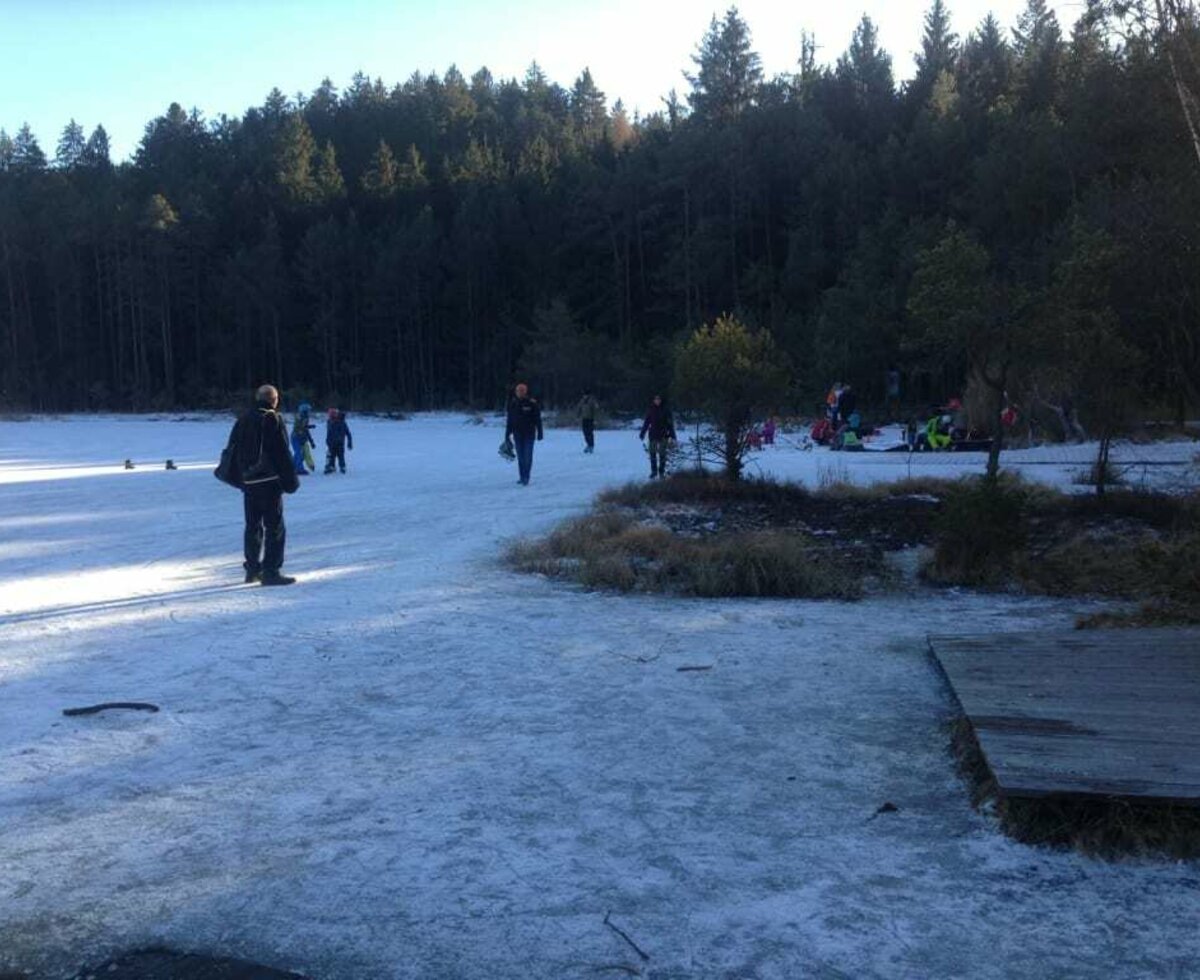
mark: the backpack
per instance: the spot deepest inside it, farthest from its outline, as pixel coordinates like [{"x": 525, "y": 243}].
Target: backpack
[{"x": 227, "y": 470}]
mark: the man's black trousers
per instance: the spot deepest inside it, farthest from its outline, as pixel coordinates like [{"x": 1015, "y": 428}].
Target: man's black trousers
[{"x": 265, "y": 531}]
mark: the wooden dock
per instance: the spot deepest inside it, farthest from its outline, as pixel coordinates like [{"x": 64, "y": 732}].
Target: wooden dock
[{"x": 1089, "y": 713}]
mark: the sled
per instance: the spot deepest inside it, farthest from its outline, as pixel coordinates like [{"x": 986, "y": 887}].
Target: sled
[{"x": 970, "y": 446}]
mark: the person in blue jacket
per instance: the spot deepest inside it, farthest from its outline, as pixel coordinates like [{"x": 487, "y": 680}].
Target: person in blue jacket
[{"x": 302, "y": 439}]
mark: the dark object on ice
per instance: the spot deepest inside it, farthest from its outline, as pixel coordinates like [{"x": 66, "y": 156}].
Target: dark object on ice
[
  {"x": 971, "y": 446},
  {"x": 274, "y": 578},
  {"x": 684, "y": 670},
  {"x": 171, "y": 465},
  {"x": 624, "y": 935},
  {"x": 129, "y": 464},
  {"x": 92, "y": 709},
  {"x": 887, "y": 808},
  {"x": 163, "y": 964}
]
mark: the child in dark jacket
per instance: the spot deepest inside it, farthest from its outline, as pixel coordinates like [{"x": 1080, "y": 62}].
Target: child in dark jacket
[{"x": 337, "y": 440}]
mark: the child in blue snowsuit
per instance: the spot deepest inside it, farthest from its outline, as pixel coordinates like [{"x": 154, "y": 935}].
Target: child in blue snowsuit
[{"x": 302, "y": 439}]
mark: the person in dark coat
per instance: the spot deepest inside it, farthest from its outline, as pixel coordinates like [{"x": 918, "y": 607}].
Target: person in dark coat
[
  {"x": 524, "y": 426},
  {"x": 660, "y": 426},
  {"x": 847, "y": 403},
  {"x": 337, "y": 440},
  {"x": 267, "y": 471}
]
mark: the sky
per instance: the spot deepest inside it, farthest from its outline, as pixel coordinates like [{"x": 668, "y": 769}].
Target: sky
[{"x": 122, "y": 62}]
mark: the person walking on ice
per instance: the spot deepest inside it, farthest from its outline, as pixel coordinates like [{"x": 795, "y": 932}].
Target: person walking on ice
[
  {"x": 266, "y": 472},
  {"x": 661, "y": 428},
  {"x": 337, "y": 440},
  {"x": 302, "y": 439},
  {"x": 524, "y": 426},
  {"x": 589, "y": 408}
]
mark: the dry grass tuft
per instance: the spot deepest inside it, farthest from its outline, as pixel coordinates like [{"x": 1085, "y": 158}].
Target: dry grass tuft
[
  {"x": 1123, "y": 545},
  {"x": 610, "y": 550}
]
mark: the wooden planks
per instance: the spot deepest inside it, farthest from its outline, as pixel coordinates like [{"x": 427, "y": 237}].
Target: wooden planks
[{"x": 1108, "y": 713}]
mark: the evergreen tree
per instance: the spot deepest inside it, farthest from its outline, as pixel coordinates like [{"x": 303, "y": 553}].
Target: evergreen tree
[
  {"x": 96, "y": 151},
  {"x": 1037, "y": 45},
  {"x": 864, "y": 73},
  {"x": 276, "y": 108},
  {"x": 589, "y": 110},
  {"x": 379, "y": 180},
  {"x": 294, "y": 151},
  {"x": 410, "y": 173},
  {"x": 728, "y": 71},
  {"x": 731, "y": 372},
  {"x": 27, "y": 154},
  {"x": 71, "y": 146},
  {"x": 986, "y": 65},
  {"x": 938, "y": 54},
  {"x": 327, "y": 178}
]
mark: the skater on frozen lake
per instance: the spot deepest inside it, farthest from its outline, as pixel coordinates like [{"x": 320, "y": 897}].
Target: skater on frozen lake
[
  {"x": 524, "y": 426},
  {"x": 337, "y": 440},
  {"x": 267, "y": 473},
  {"x": 660, "y": 426},
  {"x": 302, "y": 439},
  {"x": 589, "y": 408}
]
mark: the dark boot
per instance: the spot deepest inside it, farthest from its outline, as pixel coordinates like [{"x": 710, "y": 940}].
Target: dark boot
[
  {"x": 275, "y": 578},
  {"x": 253, "y": 575}
]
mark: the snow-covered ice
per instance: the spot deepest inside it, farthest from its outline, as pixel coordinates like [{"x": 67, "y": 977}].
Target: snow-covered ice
[{"x": 419, "y": 764}]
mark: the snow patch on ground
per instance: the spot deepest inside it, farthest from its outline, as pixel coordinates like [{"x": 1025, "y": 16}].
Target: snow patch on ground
[{"x": 419, "y": 764}]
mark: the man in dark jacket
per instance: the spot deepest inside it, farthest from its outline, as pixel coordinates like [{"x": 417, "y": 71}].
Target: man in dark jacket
[
  {"x": 524, "y": 426},
  {"x": 267, "y": 473},
  {"x": 337, "y": 441},
  {"x": 661, "y": 428}
]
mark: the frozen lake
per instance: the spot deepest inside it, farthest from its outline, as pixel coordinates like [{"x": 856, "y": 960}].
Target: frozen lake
[{"x": 416, "y": 763}]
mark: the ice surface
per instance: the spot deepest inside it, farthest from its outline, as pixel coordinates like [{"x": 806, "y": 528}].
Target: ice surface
[{"x": 418, "y": 764}]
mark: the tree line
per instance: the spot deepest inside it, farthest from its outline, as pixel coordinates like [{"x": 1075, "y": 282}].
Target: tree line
[{"x": 1026, "y": 204}]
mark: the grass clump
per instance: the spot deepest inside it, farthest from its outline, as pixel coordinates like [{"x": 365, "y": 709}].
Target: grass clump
[
  {"x": 705, "y": 488},
  {"x": 979, "y": 534},
  {"x": 1007, "y": 534},
  {"x": 610, "y": 550}
]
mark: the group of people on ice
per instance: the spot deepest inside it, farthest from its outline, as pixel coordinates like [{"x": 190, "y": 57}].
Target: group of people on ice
[
  {"x": 264, "y": 462},
  {"x": 840, "y": 426},
  {"x": 523, "y": 427},
  {"x": 337, "y": 440}
]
